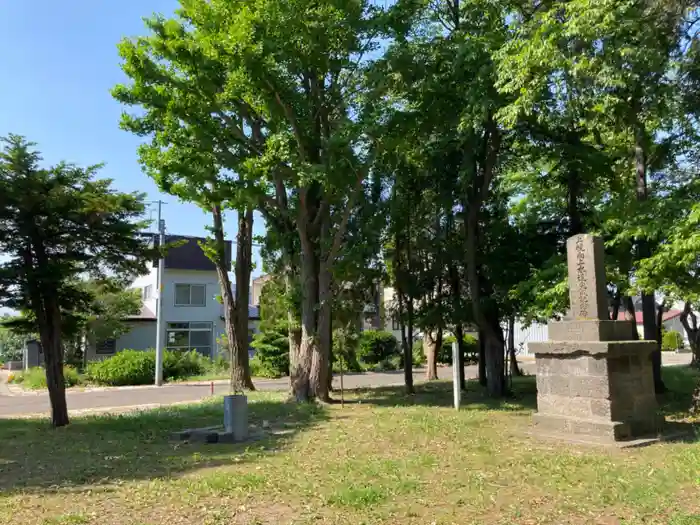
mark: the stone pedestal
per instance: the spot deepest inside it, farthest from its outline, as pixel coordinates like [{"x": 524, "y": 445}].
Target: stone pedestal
[
  {"x": 596, "y": 389},
  {"x": 594, "y": 382}
]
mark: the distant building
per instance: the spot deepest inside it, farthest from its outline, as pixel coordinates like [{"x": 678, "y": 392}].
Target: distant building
[
  {"x": 257, "y": 287},
  {"x": 192, "y": 315}
]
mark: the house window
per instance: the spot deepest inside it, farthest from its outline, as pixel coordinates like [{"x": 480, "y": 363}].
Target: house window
[
  {"x": 190, "y": 295},
  {"x": 148, "y": 292},
  {"x": 106, "y": 347},
  {"x": 395, "y": 326},
  {"x": 190, "y": 336}
]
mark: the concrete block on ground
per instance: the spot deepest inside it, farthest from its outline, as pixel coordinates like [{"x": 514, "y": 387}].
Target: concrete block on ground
[{"x": 236, "y": 416}]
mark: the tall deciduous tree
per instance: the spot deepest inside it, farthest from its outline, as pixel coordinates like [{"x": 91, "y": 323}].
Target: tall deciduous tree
[
  {"x": 58, "y": 224},
  {"x": 176, "y": 84},
  {"x": 270, "y": 88}
]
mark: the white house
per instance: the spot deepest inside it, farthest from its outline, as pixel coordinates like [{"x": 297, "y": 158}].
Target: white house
[{"x": 193, "y": 318}]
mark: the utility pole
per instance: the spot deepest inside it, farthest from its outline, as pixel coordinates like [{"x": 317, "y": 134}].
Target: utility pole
[{"x": 159, "y": 299}]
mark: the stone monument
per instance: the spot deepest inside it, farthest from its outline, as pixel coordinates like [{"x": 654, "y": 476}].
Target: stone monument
[{"x": 594, "y": 382}]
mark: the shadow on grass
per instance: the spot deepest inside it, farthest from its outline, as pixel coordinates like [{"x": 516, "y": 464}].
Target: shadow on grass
[
  {"x": 680, "y": 381},
  {"x": 523, "y": 395},
  {"x": 98, "y": 450},
  {"x": 674, "y": 404}
]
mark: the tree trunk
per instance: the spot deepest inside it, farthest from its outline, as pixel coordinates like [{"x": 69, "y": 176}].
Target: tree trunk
[
  {"x": 461, "y": 350},
  {"x": 690, "y": 324},
  {"x": 644, "y": 251},
  {"x": 300, "y": 373},
  {"x": 322, "y": 351},
  {"x": 430, "y": 348},
  {"x": 482, "y": 358},
  {"x": 514, "y": 369},
  {"x": 632, "y": 314},
  {"x": 615, "y": 313},
  {"x": 495, "y": 380},
  {"x": 48, "y": 317},
  {"x": 240, "y": 372},
  {"x": 53, "y": 362},
  {"x": 242, "y": 270},
  {"x": 651, "y": 333},
  {"x": 294, "y": 331},
  {"x": 406, "y": 343},
  {"x": 494, "y": 347}
]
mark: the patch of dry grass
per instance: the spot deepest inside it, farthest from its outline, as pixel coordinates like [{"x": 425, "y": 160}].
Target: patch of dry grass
[{"x": 384, "y": 458}]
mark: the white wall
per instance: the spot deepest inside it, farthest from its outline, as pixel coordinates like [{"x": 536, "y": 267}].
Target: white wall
[
  {"x": 524, "y": 335},
  {"x": 141, "y": 336},
  {"x": 150, "y": 279},
  {"x": 211, "y": 312}
]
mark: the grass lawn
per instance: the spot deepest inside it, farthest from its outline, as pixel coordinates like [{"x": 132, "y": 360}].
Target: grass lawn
[{"x": 385, "y": 458}]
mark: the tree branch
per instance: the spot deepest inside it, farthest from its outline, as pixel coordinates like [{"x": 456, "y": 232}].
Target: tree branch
[
  {"x": 292, "y": 121},
  {"x": 342, "y": 227}
]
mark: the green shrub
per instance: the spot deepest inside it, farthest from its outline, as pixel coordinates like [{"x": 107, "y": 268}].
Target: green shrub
[
  {"x": 35, "y": 378},
  {"x": 136, "y": 367},
  {"x": 394, "y": 362},
  {"x": 180, "y": 365},
  {"x": 271, "y": 357},
  {"x": 258, "y": 368},
  {"x": 376, "y": 347},
  {"x": 671, "y": 341},
  {"x": 219, "y": 365},
  {"x": 418, "y": 353},
  {"x": 348, "y": 342},
  {"x": 471, "y": 350},
  {"x": 128, "y": 367}
]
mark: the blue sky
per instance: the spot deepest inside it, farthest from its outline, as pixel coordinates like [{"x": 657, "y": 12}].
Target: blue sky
[{"x": 59, "y": 62}]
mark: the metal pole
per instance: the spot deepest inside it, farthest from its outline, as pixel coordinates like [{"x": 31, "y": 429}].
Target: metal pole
[
  {"x": 456, "y": 387},
  {"x": 159, "y": 302}
]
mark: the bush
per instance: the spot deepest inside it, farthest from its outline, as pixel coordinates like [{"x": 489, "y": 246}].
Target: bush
[
  {"x": 135, "y": 367},
  {"x": 258, "y": 368},
  {"x": 180, "y": 365},
  {"x": 128, "y": 367},
  {"x": 35, "y": 378},
  {"x": 376, "y": 347},
  {"x": 471, "y": 350},
  {"x": 271, "y": 357},
  {"x": 671, "y": 341},
  {"x": 418, "y": 353},
  {"x": 219, "y": 365},
  {"x": 349, "y": 342}
]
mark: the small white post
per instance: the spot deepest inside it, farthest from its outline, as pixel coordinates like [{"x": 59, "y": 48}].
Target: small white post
[{"x": 456, "y": 387}]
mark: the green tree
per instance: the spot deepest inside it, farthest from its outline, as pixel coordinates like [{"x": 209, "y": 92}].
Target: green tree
[
  {"x": 271, "y": 89},
  {"x": 176, "y": 83},
  {"x": 11, "y": 345},
  {"x": 58, "y": 224},
  {"x": 603, "y": 79}
]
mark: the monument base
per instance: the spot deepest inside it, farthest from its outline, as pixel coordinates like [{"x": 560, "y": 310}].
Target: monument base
[
  {"x": 599, "y": 391},
  {"x": 581, "y": 439}
]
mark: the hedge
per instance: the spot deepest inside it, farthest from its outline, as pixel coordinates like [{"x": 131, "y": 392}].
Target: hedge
[
  {"x": 471, "y": 350},
  {"x": 136, "y": 367},
  {"x": 671, "y": 341},
  {"x": 376, "y": 347}
]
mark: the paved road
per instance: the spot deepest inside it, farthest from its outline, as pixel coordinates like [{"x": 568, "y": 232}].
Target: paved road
[
  {"x": 177, "y": 393},
  {"x": 38, "y": 403}
]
